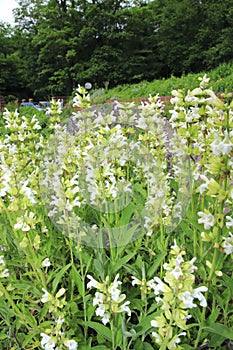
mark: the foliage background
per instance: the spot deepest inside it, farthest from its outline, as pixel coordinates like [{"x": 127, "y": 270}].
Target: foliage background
[{"x": 56, "y": 44}]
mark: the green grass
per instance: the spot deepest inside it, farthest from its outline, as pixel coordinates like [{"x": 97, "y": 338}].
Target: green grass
[{"x": 221, "y": 80}]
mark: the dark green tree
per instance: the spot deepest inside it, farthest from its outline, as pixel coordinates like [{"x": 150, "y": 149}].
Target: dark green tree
[
  {"x": 12, "y": 77},
  {"x": 215, "y": 33},
  {"x": 178, "y": 24},
  {"x": 57, "y": 44},
  {"x": 140, "y": 57}
]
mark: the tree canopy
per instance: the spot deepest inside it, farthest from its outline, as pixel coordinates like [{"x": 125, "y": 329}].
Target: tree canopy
[{"x": 57, "y": 44}]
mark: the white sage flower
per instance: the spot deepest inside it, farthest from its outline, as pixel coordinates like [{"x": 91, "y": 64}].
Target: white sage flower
[
  {"x": 47, "y": 342},
  {"x": 206, "y": 219},
  {"x": 228, "y": 244},
  {"x": 46, "y": 262},
  {"x": 108, "y": 298},
  {"x": 71, "y": 344}
]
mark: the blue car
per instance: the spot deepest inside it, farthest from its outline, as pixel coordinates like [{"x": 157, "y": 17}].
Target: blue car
[
  {"x": 44, "y": 104},
  {"x": 30, "y": 104}
]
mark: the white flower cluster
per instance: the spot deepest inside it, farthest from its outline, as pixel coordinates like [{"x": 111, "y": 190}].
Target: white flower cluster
[
  {"x": 205, "y": 120},
  {"x": 54, "y": 302},
  {"x": 207, "y": 219},
  {"x": 20, "y": 154},
  {"x": 112, "y": 156},
  {"x": 56, "y": 339},
  {"x": 176, "y": 294},
  {"x": 50, "y": 343},
  {"x": 82, "y": 98},
  {"x": 26, "y": 222},
  {"x": 221, "y": 146},
  {"x": 228, "y": 244},
  {"x": 108, "y": 298}
]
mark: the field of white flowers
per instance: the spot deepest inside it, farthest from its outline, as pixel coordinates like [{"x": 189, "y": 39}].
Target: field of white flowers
[{"x": 117, "y": 226}]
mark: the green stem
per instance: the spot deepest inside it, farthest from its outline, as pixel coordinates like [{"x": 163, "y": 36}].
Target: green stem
[
  {"x": 109, "y": 230},
  {"x": 201, "y": 253},
  {"x": 2, "y": 205},
  {"x": 203, "y": 317},
  {"x": 143, "y": 314},
  {"x": 32, "y": 259},
  {"x": 161, "y": 232},
  {"x": 213, "y": 265},
  {"x": 83, "y": 296},
  {"x": 113, "y": 334},
  {"x": 198, "y": 335},
  {"x": 70, "y": 244},
  {"x": 193, "y": 210}
]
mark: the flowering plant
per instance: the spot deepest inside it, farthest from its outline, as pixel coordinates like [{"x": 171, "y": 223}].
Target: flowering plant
[
  {"x": 178, "y": 295},
  {"x": 108, "y": 298},
  {"x": 106, "y": 195}
]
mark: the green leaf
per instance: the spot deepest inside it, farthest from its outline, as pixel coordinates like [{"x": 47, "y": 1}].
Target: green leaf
[
  {"x": 26, "y": 286},
  {"x": 139, "y": 188},
  {"x": 59, "y": 276},
  {"x": 139, "y": 262},
  {"x": 216, "y": 340},
  {"x": 145, "y": 324},
  {"x": 139, "y": 344},
  {"x": 84, "y": 347},
  {"x": 100, "y": 328},
  {"x": 99, "y": 268},
  {"x": 3, "y": 336},
  {"x": 219, "y": 329},
  {"x": 100, "y": 339},
  {"x": 5, "y": 311},
  {"x": 228, "y": 282},
  {"x": 77, "y": 280},
  {"x": 147, "y": 346},
  {"x": 127, "y": 214},
  {"x": 121, "y": 262},
  {"x": 155, "y": 265},
  {"x": 153, "y": 307},
  {"x": 90, "y": 311},
  {"x": 29, "y": 318},
  {"x": 137, "y": 304},
  {"x": 119, "y": 332},
  {"x": 28, "y": 338},
  {"x": 124, "y": 234},
  {"x": 186, "y": 228},
  {"x": 43, "y": 312},
  {"x": 213, "y": 316},
  {"x": 187, "y": 347}
]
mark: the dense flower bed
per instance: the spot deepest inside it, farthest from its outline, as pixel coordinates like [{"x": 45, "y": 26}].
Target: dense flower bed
[{"x": 116, "y": 229}]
